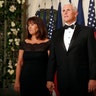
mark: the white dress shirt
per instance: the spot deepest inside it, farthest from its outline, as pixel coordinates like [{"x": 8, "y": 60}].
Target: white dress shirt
[{"x": 68, "y": 36}]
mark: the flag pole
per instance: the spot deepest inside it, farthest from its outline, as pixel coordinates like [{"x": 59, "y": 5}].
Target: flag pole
[
  {"x": 59, "y": 0},
  {"x": 70, "y": 1},
  {"x": 38, "y": 11},
  {"x": 45, "y": 5},
  {"x": 44, "y": 13},
  {"x": 51, "y": 2}
]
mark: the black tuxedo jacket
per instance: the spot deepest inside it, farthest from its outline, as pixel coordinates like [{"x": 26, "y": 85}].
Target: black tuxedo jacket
[{"x": 75, "y": 66}]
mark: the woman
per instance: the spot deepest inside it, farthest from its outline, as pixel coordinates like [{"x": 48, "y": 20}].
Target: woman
[{"x": 32, "y": 60}]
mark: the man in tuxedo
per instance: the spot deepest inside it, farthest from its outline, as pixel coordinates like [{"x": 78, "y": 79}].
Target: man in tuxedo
[{"x": 72, "y": 56}]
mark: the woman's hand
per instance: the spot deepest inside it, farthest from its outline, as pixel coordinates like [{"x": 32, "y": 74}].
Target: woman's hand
[{"x": 17, "y": 86}]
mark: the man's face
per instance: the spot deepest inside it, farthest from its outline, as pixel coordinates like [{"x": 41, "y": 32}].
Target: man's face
[{"x": 69, "y": 14}]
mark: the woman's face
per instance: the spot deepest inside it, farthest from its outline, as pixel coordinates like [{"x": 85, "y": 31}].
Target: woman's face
[{"x": 32, "y": 28}]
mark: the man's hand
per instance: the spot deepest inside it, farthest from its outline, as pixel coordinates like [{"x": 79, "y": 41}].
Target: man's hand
[
  {"x": 92, "y": 85},
  {"x": 50, "y": 85}
]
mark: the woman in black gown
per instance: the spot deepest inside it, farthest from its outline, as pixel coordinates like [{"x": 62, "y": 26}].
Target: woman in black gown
[{"x": 32, "y": 60}]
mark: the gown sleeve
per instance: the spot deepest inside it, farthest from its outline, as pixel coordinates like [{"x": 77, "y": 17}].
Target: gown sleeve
[{"x": 21, "y": 46}]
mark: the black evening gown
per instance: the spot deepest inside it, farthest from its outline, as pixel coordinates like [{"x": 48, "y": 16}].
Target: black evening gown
[{"x": 33, "y": 72}]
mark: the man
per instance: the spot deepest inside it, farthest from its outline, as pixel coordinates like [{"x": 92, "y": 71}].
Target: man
[{"x": 73, "y": 57}]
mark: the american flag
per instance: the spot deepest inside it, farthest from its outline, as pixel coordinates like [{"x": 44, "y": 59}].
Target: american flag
[
  {"x": 80, "y": 17},
  {"x": 51, "y": 25},
  {"x": 91, "y": 15},
  {"x": 59, "y": 17}
]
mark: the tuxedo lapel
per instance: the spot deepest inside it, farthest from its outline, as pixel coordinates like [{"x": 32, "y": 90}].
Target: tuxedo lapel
[
  {"x": 62, "y": 39},
  {"x": 73, "y": 40},
  {"x": 75, "y": 36}
]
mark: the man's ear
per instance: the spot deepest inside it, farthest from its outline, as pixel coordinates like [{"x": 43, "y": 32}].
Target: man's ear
[{"x": 76, "y": 14}]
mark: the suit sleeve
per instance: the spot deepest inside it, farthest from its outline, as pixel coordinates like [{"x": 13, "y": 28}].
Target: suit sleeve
[
  {"x": 92, "y": 55},
  {"x": 52, "y": 60}
]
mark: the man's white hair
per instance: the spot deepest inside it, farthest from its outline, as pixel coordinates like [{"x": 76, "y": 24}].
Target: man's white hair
[{"x": 74, "y": 7}]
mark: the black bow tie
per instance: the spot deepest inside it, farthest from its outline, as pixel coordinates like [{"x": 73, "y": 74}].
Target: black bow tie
[{"x": 71, "y": 26}]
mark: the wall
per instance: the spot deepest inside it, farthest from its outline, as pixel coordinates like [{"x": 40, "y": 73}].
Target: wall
[{"x": 33, "y": 6}]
